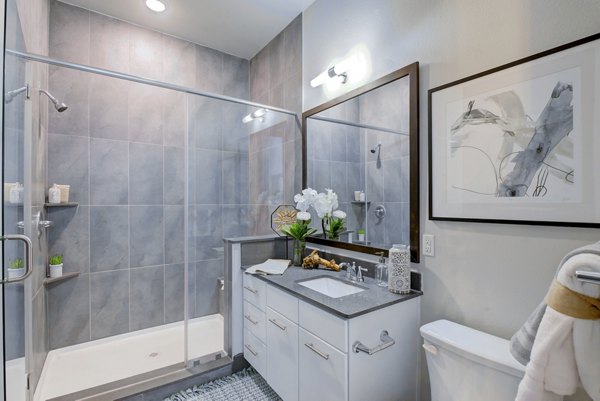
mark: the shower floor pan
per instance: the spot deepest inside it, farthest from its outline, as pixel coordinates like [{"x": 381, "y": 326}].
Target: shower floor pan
[{"x": 80, "y": 367}]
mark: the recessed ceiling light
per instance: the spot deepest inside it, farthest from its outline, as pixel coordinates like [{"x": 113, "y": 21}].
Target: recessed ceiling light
[{"x": 156, "y": 5}]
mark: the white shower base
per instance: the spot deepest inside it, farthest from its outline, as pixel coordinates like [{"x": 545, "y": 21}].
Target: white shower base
[{"x": 83, "y": 366}]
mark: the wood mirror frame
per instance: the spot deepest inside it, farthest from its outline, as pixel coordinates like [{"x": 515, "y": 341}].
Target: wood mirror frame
[{"x": 410, "y": 71}]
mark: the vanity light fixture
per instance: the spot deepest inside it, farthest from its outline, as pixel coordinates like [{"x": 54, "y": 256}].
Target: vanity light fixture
[
  {"x": 255, "y": 115},
  {"x": 156, "y": 5},
  {"x": 339, "y": 71}
]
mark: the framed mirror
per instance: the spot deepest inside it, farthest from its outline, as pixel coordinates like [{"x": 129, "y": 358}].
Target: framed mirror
[{"x": 364, "y": 145}]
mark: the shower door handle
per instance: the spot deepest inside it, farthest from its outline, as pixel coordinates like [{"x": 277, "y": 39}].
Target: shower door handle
[{"x": 28, "y": 256}]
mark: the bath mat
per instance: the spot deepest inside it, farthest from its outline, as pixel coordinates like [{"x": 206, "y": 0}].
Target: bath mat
[{"x": 242, "y": 386}]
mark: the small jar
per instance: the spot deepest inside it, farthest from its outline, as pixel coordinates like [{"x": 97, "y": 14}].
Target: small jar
[
  {"x": 54, "y": 194},
  {"x": 362, "y": 196},
  {"x": 16, "y": 193}
]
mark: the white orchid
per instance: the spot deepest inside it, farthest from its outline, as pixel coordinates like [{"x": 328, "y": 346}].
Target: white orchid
[
  {"x": 338, "y": 214},
  {"x": 325, "y": 204},
  {"x": 303, "y": 216},
  {"x": 305, "y": 200}
]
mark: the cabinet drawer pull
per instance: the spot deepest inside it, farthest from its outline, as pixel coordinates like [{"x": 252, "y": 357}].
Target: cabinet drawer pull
[
  {"x": 249, "y": 348},
  {"x": 311, "y": 347},
  {"x": 276, "y": 323},
  {"x": 249, "y": 318},
  {"x": 252, "y": 290},
  {"x": 384, "y": 337}
]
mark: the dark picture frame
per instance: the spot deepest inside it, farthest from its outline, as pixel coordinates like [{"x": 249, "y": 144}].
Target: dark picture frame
[{"x": 519, "y": 143}]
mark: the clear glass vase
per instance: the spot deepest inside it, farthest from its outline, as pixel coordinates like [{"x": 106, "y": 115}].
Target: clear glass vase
[{"x": 299, "y": 247}]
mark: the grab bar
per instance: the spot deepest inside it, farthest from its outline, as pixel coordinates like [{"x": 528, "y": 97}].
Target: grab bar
[
  {"x": 588, "y": 277},
  {"x": 386, "y": 341}
]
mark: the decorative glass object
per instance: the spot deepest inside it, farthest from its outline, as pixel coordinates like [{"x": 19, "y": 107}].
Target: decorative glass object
[
  {"x": 299, "y": 247},
  {"x": 399, "y": 269}
]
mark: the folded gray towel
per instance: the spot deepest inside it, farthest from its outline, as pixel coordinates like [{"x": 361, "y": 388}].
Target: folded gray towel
[{"x": 521, "y": 342}]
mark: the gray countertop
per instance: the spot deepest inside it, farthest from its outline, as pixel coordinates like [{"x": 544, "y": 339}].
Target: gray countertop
[{"x": 347, "y": 307}]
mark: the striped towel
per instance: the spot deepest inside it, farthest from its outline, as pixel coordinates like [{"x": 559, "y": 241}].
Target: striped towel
[{"x": 521, "y": 342}]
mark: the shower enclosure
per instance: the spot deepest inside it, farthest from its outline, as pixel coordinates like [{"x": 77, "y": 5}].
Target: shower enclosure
[{"x": 159, "y": 174}]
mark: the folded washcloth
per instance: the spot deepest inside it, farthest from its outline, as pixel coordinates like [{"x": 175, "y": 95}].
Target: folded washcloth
[{"x": 566, "y": 343}]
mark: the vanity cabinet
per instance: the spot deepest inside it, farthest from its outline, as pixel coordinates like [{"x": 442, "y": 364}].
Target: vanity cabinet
[{"x": 308, "y": 353}]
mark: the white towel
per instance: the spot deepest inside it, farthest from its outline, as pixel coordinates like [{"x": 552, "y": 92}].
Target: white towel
[{"x": 565, "y": 349}]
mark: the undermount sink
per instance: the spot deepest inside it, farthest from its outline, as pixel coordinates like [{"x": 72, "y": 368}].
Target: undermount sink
[{"x": 331, "y": 287}]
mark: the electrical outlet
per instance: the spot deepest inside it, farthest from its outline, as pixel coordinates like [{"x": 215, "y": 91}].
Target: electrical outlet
[{"x": 428, "y": 245}]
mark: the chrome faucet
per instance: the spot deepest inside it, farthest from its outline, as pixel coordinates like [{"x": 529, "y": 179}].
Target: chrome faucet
[
  {"x": 359, "y": 276},
  {"x": 350, "y": 270}
]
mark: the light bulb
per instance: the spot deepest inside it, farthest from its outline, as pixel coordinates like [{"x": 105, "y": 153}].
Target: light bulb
[{"x": 156, "y": 5}]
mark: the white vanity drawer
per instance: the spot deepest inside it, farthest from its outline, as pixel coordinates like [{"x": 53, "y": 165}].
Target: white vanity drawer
[
  {"x": 324, "y": 325},
  {"x": 282, "y": 355},
  {"x": 323, "y": 370},
  {"x": 254, "y": 320},
  {"x": 283, "y": 303},
  {"x": 255, "y": 353},
  {"x": 255, "y": 291}
]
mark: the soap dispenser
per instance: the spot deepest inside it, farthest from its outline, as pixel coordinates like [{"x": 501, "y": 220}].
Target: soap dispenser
[{"x": 381, "y": 270}]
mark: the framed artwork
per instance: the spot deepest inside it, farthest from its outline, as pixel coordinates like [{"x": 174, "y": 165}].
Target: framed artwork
[{"x": 520, "y": 143}]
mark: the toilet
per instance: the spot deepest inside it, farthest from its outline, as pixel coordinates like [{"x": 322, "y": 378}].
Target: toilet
[{"x": 468, "y": 365}]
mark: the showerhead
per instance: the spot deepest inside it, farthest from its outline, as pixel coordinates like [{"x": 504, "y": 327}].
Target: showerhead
[
  {"x": 58, "y": 105},
  {"x": 376, "y": 148}
]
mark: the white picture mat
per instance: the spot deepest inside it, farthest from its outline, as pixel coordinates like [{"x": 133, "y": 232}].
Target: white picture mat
[{"x": 582, "y": 63}]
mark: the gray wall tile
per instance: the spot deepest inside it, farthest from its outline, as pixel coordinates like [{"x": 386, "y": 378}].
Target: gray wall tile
[
  {"x": 174, "y": 234},
  {"x": 235, "y": 77},
  {"x": 69, "y": 33},
  {"x": 145, "y": 116},
  {"x": 207, "y": 286},
  {"x": 68, "y": 164},
  {"x": 209, "y": 65},
  {"x": 207, "y": 232},
  {"x": 209, "y": 174},
  {"x": 147, "y": 297},
  {"x": 145, "y": 53},
  {"x": 174, "y": 179},
  {"x": 146, "y": 226},
  {"x": 110, "y": 37},
  {"x": 71, "y": 87},
  {"x": 145, "y": 174},
  {"x": 235, "y": 178},
  {"x": 179, "y": 61},
  {"x": 207, "y": 122},
  {"x": 236, "y": 222},
  {"x": 108, "y": 108},
  {"x": 109, "y": 238},
  {"x": 174, "y": 292},
  {"x": 109, "y": 303},
  {"x": 175, "y": 109},
  {"x": 69, "y": 237},
  {"x": 109, "y": 172},
  {"x": 69, "y": 312}
]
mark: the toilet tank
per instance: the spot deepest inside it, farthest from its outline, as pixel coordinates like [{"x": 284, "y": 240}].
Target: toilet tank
[{"x": 468, "y": 365}]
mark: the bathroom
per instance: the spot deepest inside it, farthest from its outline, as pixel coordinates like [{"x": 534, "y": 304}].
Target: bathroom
[{"x": 162, "y": 199}]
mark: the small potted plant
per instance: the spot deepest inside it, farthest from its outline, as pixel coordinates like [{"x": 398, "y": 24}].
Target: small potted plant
[
  {"x": 56, "y": 266},
  {"x": 361, "y": 235},
  {"x": 16, "y": 268}
]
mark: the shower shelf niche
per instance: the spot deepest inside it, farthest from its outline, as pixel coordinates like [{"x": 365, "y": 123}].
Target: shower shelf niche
[
  {"x": 362, "y": 203},
  {"x": 67, "y": 204},
  {"x": 52, "y": 280}
]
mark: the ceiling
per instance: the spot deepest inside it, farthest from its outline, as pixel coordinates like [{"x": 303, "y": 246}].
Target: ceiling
[{"x": 238, "y": 27}]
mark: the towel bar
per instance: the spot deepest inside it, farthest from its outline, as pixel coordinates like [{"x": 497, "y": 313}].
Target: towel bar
[{"x": 588, "y": 277}]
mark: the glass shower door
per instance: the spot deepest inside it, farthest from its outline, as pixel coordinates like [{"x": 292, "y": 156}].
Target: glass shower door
[{"x": 16, "y": 210}]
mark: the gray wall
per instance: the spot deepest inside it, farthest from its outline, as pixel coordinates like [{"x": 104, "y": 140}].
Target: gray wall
[
  {"x": 473, "y": 279},
  {"x": 120, "y": 146},
  {"x": 275, "y": 152}
]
